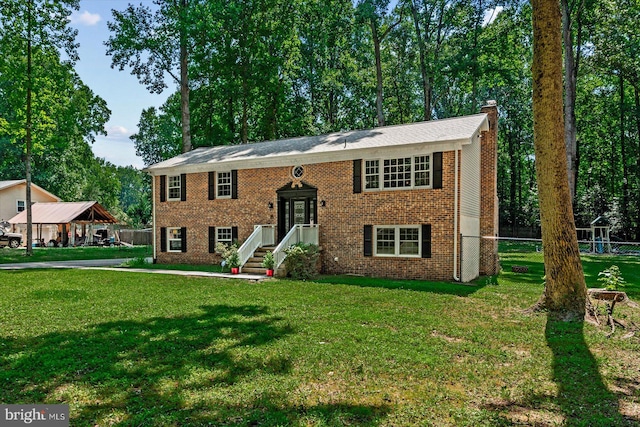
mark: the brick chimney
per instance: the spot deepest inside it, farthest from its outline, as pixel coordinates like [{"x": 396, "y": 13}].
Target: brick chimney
[{"x": 489, "y": 262}]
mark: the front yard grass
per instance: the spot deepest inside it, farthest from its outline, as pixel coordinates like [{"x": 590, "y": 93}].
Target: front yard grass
[
  {"x": 125, "y": 348},
  {"x": 10, "y": 256}
]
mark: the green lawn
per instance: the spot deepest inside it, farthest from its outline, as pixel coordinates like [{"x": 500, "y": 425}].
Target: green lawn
[
  {"x": 9, "y": 256},
  {"x": 131, "y": 349}
]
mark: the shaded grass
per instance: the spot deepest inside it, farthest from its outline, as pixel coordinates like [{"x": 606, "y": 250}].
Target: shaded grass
[
  {"x": 459, "y": 289},
  {"x": 126, "y": 348},
  {"x": 10, "y": 256}
]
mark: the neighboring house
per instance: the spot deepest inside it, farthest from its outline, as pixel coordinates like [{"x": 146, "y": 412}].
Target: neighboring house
[
  {"x": 13, "y": 199},
  {"x": 392, "y": 201}
]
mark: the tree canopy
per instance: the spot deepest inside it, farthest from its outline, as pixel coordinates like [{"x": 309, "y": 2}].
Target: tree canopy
[{"x": 267, "y": 69}]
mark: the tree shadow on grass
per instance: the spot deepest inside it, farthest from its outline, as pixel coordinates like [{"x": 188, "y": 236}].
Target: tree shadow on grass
[
  {"x": 583, "y": 399},
  {"x": 189, "y": 370},
  {"x": 445, "y": 288}
]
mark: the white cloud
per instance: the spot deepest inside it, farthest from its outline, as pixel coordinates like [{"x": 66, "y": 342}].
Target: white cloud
[
  {"x": 85, "y": 18},
  {"x": 118, "y": 131},
  {"x": 119, "y": 151}
]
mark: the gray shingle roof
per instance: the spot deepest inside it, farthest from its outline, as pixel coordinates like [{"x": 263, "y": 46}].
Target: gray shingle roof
[{"x": 435, "y": 135}]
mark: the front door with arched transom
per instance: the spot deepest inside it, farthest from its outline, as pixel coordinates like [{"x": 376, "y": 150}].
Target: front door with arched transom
[{"x": 296, "y": 205}]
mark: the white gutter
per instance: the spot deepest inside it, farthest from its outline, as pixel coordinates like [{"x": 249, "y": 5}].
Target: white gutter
[
  {"x": 455, "y": 220},
  {"x": 153, "y": 214}
]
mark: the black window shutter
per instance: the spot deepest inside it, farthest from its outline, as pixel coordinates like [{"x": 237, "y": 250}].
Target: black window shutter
[
  {"x": 183, "y": 237},
  {"x": 163, "y": 188},
  {"x": 368, "y": 240},
  {"x": 183, "y": 187},
  {"x": 212, "y": 240},
  {"x": 234, "y": 234},
  {"x": 163, "y": 239},
  {"x": 234, "y": 184},
  {"x": 212, "y": 185},
  {"x": 357, "y": 176},
  {"x": 437, "y": 170},
  {"x": 426, "y": 240}
]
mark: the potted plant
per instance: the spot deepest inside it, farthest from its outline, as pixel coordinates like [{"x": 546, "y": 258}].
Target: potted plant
[
  {"x": 268, "y": 262},
  {"x": 230, "y": 256}
]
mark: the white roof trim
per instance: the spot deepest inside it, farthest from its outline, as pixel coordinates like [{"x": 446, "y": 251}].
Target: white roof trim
[{"x": 414, "y": 138}]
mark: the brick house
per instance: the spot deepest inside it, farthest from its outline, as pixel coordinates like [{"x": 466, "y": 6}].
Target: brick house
[{"x": 393, "y": 201}]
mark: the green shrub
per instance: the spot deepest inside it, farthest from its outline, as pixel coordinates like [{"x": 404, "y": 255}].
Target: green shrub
[
  {"x": 302, "y": 261},
  {"x": 268, "y": 261},
  {"x": 611, "y": 278},
  {"x": 229, "y": 254},
  {"x": 135, "y": 262}
]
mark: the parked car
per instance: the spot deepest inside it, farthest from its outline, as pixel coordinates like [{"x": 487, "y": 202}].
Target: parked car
[{"x": 13, "y": 240}]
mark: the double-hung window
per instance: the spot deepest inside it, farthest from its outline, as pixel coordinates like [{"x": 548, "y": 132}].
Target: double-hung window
[
  {"x": 421, "y": 171},
  {"x": 372, "y": 174},
  {"x": 224, "y": 235},
  {"x": 403, "y": 172},
  {"x": 174, "y": 239},
  {"x": 173, "y": 187},
  {"x": 20, "y": 205},
  {"x": 224, "y": 185},
  {"x": 397, "y": 173},
  {"x": 397, "y": 240}
]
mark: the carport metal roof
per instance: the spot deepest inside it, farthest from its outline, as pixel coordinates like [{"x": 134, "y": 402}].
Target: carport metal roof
[{"x": 66, "y": 212}]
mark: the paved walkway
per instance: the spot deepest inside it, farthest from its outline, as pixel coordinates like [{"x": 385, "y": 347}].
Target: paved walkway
[{"x": 111, "y": 264}]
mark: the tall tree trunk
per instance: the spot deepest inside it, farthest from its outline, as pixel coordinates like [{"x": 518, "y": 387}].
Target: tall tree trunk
[
  {"x": 184, "y": 83},
  {"x": 636, "y": 93},
  {"x": 513, "y": 204},
  {"x": 245, "y": 110},
  {"x": 570, "y": 77},
  {"x": 28, "y": 136},
  {"x": 426, "y": 82},
  {"x": 624, "y": 209},
  {"x": 376, "y": 48},
  {"x": 565, "y": 291}
]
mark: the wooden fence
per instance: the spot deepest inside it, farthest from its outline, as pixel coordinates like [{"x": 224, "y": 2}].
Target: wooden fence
[{"x": 137, "y": 237}]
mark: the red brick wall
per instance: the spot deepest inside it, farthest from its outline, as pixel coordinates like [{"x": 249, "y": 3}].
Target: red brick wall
[
  {"x": 343, "y": 217},
  {"x": 489, "y": 262},
  {"x": 341, "y": 220}
]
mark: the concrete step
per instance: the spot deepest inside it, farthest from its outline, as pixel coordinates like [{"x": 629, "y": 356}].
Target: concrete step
[
  {"x": 253, "y": 264},
  {"x": 254, "y": 270}
]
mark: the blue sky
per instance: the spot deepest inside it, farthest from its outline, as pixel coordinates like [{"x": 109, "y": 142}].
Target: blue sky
[{"x": 125, "y": 97}]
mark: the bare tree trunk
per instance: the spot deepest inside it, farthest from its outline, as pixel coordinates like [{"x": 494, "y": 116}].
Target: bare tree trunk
[
  {"x": 184, "y": 85},
  {"x": 636, "y": 93},
  {"x": 625, "y": 171},
  {"x": 426, "y": 83},
  {"x": 570, "y": 78},
  {"x": 245, "y": 110},
  {"x": 565, "y": 291},
  {"x": 28, "y": 136},
  {"x": 376, "y": 47}
]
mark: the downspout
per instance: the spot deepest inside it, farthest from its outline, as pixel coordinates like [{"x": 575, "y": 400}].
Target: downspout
[
  {"x": 153, "y": 216},
  {"x": 455, "y": 219}
]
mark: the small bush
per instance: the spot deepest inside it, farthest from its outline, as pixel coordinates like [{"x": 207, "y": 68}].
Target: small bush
[
  {"x": 268, "y": 261},
  {"x": 611, "y": 278},
  {"x": 229, "y": 253},
  {"x": 135, "y": 262},
  {"x": 302, "y": 261}
]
